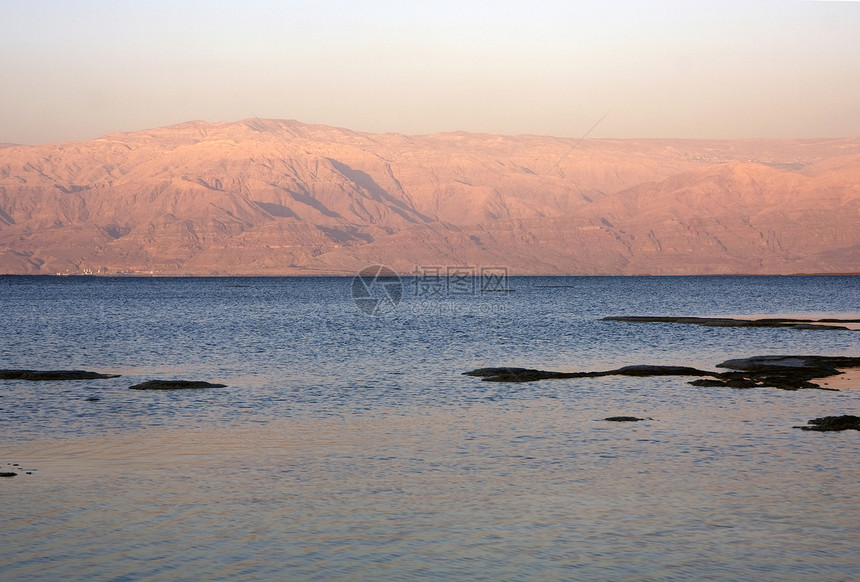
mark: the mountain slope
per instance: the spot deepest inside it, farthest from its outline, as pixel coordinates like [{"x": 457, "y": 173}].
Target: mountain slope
[{"x": 281, "y": 197}]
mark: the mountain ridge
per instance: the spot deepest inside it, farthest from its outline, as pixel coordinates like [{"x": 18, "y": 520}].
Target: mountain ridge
[{"x": 279, "y": 197}]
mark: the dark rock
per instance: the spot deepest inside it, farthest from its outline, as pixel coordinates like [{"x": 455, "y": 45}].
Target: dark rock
[
  {"x": 507, "y": 374},
  {"x": 646, "y": 370},
  {"x": 727, "y": 383},
  {"x": 7, "y": 474},
  {"x": 817, "y": 324},
  {"x": 833, "y": 423},
  {"x": 625, "y": 419},
  {"x": 787, "y": 372},
  {"x": 174, "y": 385},
  {"x": 53, "y": 375},
  {"x": 783, "y": 372},
  {"x": 504, "y": 371},
  {"x": 742, "y": 384},
  {"x": 826, "y": 364},
  {"x": 93, "y": 399},
  {"x": 529, "y": 375},
  {"x": 708, "y": 382}
]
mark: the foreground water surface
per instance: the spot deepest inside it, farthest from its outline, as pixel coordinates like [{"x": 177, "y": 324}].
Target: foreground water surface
[{"x": 350, "y": 447}]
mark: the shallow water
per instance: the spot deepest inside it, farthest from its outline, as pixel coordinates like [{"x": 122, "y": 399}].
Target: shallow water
[{"x": 351, "y": 447}]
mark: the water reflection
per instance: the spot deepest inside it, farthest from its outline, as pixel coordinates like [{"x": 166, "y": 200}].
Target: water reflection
[{"x": 533, "y": 491}]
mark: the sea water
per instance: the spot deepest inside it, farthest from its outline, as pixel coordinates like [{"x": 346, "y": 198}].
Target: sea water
[{"x": 348, "y": 445}]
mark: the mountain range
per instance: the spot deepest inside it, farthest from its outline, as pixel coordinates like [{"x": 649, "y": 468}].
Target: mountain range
[{"x": 276, "y": 197}]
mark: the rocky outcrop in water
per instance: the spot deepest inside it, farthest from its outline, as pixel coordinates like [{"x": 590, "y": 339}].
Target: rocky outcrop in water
[
  {"x": 784, "y": 372},
  {"x": 174, "y": 385},
  {"x": 16, "y": 470},
  {"x": 820, "y": 324},
  {"x": 507, "y": 374},
  {"x": 53, "y": 375},
  {"x": 625, "y": 419},
  {"x": 833, "y": 423}
]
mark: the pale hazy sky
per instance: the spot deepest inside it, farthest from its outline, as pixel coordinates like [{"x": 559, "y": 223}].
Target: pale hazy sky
[{"x": 720, "y": 69}]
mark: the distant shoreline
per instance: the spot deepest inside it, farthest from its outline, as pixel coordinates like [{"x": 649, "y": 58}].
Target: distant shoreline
[{"x": 348, "y": 276}]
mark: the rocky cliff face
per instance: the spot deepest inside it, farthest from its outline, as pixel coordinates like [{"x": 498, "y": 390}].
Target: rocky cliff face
[{"x": 268, "y": 197}]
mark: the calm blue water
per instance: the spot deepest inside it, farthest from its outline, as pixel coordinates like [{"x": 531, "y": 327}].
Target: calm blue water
[{"x": 351, "y": 447}]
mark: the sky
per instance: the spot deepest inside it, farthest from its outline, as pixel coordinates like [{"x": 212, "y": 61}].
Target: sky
[{"x": 686, "y": 69}]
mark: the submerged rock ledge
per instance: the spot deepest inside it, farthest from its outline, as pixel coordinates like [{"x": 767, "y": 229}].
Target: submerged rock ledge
[
  {"x": 784, "y": 372},
  {"x": 733, "y": 322},
  {"x": 53, "y": 375},
  {"x": 833, "y": 423},
  {"x": 530, "y": 375},
  {"x": 174, "y": 385}
]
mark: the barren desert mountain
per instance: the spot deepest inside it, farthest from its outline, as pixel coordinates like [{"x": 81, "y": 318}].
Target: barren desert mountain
[{"x": 273, "y": 197}]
